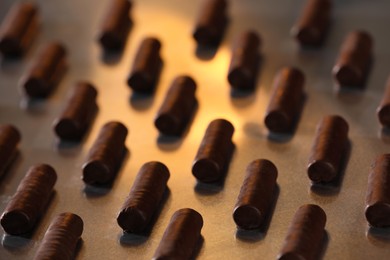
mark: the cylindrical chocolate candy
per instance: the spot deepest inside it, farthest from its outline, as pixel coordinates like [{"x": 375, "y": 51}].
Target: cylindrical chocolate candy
[
  {"x": 18, "y": 29},
  {"x": 178, "y": 106},
  {"x": 61, "y": 238},
  {"x": 144, "y": 197},
  {"x": 106, "y": 154},
  {"x": 78, "y": 112},
  {"x": 116, "y": 25},
  {"x": 29, "y": 200},
  {"x": 181, "y": 236},
  {"x": 354, "y": 59},
  {"x": 305, "y": 235},
  {"x": 286, "y": 100},
  {"x": 146, "y": 66},
  {"x": 329, "y": 148},
  {"x": 311, "y": 27},
  {"x": 211, "y": 22},
  {"x": 378, "y": 193},
  {"x": 256, "y": 194},
  {"x": 214, "y": 151},
  {"x": 46, "y": 71},
  {"x": 245, "y": 60},
  {"x": 9, "y": 140},
  {"x": 383, "y": 110}
]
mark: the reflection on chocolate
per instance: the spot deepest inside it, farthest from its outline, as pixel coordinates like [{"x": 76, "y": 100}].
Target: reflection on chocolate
[
  {"x": 245, "y": 60},
  {"x": 144, "y": 197},
  {"x": 18, "y": 29},
  {"x": 383, "y": 111},
  {"x": 211, "y": 22},
  {"x": 61, "y": 238},
  {"x": 177, "y": 107},
  {"x": 378, "y": 196},
  {"x": 9, "y": 140},
  {"x": 29, "y": 200},
  {"x": 312, "y": 25},
  {"x": 286, "y": 100},
  {"x": 329, "y": 147},
  {"x": 78, "y": 113},
  {"x": 45, "y": 71},
  {"x": 146, "y": 66},
  {"x": 106, "y": 154},
  {"x": 354, "y": 59},
  {"x": 256, "y": 194},
  {"x": 214, "y": 151},
  {"x": 305, "y": 234},
  {"x": 116, "y": 25},
  {"x": 181, "y": 236}
]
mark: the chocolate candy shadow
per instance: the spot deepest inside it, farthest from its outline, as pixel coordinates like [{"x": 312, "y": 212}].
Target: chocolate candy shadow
[
  {"x": 378, "y": 235},
  {"x": 333, "y": 187},
  {"x": 258, "y": 234},
  {"x": 11, "y": 168},
  {"x": 143, "y": 100},
  {"x": 132, "y": 239},
  {"x": 287, "y": 136},
  {"x": 98, "y": 190}
]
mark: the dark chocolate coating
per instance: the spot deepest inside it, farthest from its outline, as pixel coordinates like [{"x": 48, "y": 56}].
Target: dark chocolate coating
[
  {"x": 177, "y": 107},
  {"x": 313, "y": 23},
  {"x": 45, "y": 72},
  {"x": 144, "y": 197},
  {"x": 78, "y": 113},
  {"x": 146, "y": 66},
  {"x": 211, "y": 22},
  {"x": 61, "y": 238},
  {"x": 214, "y": 151},
  {"x": 256, "y": 194},
  {"x": 181, "y": 236},
  {"x": 353, "y": 62},
  {"x": 378, "y": 193},
  {"x": 106, "y": 154},
  {"x": 116, "y": 25},
  {"x": 329, "y": 147},
  {"x": 286, "y": 100},
  {"x": 305, "y": 234},
  {"x": 18, "y": 29},
  {"x": 245, "y": 60},
  {"x": 383, "y": 110},
  {"x": 9, "y": 140},
  {"x": 29, "y": 200}
]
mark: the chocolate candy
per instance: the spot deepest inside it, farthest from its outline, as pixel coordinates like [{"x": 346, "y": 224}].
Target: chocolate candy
[
  {"x": 354, "y": 60},
  {"x": 329, "y": 148},
  {"x": 29, "y": 200},
  {"x": 78, "y": 112},
  {"x": 61, "y": 238},
  {"x": 45, "y": 72},
  {"x": 245, "y": 61},
  {"x": 312, "y": 25},
  {"x": 181, "y": 236},
  {"x": 18, "y": 29},
  {"x": 378, "y": 193},
  {"x": 106, "y": 154},
  {"x": 146, "y": 66},
  {"x": 9, "y": 139},
  {"x": 256, "y": 194},
  {"x": 116, "y": 25},
  {"x": 383, "y": 111},
  {"x": 144, "y": 198},
  {"x": 211, "y": 22},
  {"x": 305, "y": 235},
  {"x": 286, "y": 100},
  {"x": 214, "y": 152},
  {"x": 178, "y": 106}
]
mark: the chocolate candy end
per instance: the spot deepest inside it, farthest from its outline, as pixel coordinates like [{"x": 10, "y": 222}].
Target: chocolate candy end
[
  {"x": 10, "y": 47},
  {"x": 347, "y": 76},
  {"x": 277, "y": 121},
  {"x": 378, "y": 214},
  {"x": 320, "y": 171},
  {"x": 240, "y": 78},
  {"x": 131, "y": 220},
  {"x": 247, "y": 217},
  {"x": 95, "y": 172},
  {"x": 35, "y": 87},
  {"x": 67, "y": 129},
  {"x": 307, "y": 36},
  {"x": 167, "y": 124},
  {"x": 15, "y": 222},
  {"x": 139, "y": 82},
  {"x": 383, "y": 113},
  {"x": 291, "y": 256},
  {"x": 206, "y": 170},
  {"x": 111, "y": 41}
]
